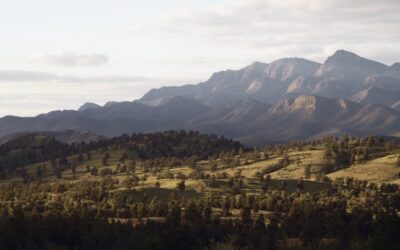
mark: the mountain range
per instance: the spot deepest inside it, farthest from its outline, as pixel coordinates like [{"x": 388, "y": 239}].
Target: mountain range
[{"x": 288, "y": 99}]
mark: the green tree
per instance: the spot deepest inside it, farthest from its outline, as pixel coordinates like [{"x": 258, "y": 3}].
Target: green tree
[
  {"x": 245, "y": 216},
  {"x": 307, "y": 171},
  {"x": 105, "y": 159},
  {"x": 181, "y": 185}
]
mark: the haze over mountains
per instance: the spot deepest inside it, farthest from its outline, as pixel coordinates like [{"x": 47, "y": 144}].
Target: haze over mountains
[{"x": 288, "y": 99}]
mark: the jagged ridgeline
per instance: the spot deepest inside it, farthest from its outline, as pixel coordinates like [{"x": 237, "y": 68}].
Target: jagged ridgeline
[
  {"x": 288, "y": 99},
  {"x": 37, "y": 147}
]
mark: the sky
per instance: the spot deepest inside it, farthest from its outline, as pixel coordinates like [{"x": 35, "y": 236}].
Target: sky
[{"x": 60, "y": 54}]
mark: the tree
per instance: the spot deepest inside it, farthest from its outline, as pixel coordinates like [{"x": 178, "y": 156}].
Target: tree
[
  {"x": 132, "y": 166},
  {"x": 80, "y": 157},
  {"x": 259, "y": 176},
  {"x": 39, "y": 171},
  {"x": 73, "y": 169},
  {"x": 128, "y": 182},
  {"x": 192, "y": 214},
  {"x": 272, "y": 233},
  {"x": 264, "y": 185},
  {"x": 181, "y": 185},
  {"x": 231, "y": 182},
  {"x": 105, "y": 171},
  {"x": 63, "y": 161},
  {"x": 105, "y": 159},
  {"x": 307, "y": 171},
  {"x": 214, "y": 166},
  {"x": 174, "y": 216},
  {"x": 245, "y": 216},
  {"x": 123, "y": 168},
  {"x": 123, "y": 157},
  {"x": 300, "y": 184},
  {"x": 226, "y": 208},
  {"x": 259, "y": 223},
  {"x": 286, "y": 160},
  {"x": 283, "y": 185},
  {"x": 58, "y": 172},
  {"x": 94, "y": 171}
]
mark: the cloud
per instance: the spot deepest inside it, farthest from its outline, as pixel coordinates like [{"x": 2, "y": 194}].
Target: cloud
[
  {"x": 25, "y": 76},
  {"x": 276, "y": 28},
  {"x": 27, "y": 93},
  {"x": 107, "y": 79},
  {"x": 28, "y": 99},
  {"x": 71, "y": 59},
  {"x": 32, "y": 76}
]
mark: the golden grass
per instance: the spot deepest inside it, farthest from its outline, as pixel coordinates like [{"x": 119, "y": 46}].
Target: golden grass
[
  {"x": 301, "y": 160},
  {"x": 379, "y": 170}
]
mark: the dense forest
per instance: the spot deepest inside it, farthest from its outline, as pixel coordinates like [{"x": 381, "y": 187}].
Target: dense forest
[{"x": 184, "y": 190}]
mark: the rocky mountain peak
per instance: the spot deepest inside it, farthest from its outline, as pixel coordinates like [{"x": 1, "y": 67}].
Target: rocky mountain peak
[
  {"x": 349, "y": 67},
  {"x": 288, "y": 69}
]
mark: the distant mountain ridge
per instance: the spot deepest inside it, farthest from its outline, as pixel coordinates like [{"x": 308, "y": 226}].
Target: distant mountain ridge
[
  {"x": 261, "y": 81},
  {"x": 288, "y": 99},
  {"x": 342, "y": 75}
]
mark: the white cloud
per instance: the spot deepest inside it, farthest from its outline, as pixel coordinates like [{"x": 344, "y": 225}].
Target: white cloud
[
  {"x": 71, "y": 59},
  {"x": 32, "y": 76},
  {"x": 276, "y": 28},
  {"x": 32, "y": 98},
  {"x": 29, "y": 93},
  {"x": 25, "y": 76}
]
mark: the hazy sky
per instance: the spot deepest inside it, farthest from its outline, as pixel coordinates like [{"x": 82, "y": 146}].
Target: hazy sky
[{"x": 57, "y": 54}]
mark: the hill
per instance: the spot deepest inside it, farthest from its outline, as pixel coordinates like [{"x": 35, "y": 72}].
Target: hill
[
  {"x": 150, "y": 183},
  {"x": 249, "y": 121},
  {"x": 67, "y": 136}
]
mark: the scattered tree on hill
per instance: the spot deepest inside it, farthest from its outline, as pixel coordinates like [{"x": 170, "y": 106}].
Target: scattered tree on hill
[
  {"x": 105, "y": 158},
  {"x": 181, "y": 185},
  {"x": 307, "y": 171},
  {"x": 214, "y": 166},
  {"x": 80, "y": 157}
]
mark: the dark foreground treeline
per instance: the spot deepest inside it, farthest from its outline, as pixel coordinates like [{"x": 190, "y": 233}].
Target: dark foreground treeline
[
  {"x": 53, "y": 231},
  {"x": 353, "y": 215}
]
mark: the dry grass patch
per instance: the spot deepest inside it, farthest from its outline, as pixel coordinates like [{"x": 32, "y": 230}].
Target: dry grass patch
[{"x": 379, "y": 170}]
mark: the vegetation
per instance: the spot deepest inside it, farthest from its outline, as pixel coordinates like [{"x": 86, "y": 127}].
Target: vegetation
[{"x": 198, "y": 191}]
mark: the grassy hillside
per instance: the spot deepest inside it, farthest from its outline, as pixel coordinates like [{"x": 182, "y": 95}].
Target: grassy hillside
[
  {"x": 380, "y": 170},
  {"x": 198, "y": 180},
  {"x": 304, "y": 162}
]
